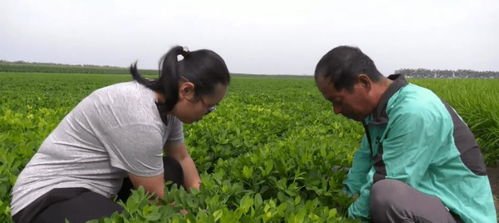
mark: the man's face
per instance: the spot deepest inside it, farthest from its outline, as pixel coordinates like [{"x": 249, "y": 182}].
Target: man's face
[{"x": 353, "y": 105}]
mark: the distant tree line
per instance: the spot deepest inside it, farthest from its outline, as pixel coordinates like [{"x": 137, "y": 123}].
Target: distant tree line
[
  {"x": 22, "y": 66},
  {"x": 59, "y": 64},
  {"x": 427, "y": 73}
]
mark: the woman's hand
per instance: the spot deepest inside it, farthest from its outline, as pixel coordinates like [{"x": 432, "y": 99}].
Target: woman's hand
[{"x": 182, "y": 211}]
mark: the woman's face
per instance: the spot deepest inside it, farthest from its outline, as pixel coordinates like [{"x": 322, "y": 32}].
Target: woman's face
[{"x": 190, "y": 108}]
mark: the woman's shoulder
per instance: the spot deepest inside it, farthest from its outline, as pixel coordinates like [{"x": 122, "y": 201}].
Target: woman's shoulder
[
  {"x": 130, "y": 101},
  {"x": 124, "y": 92},
  {"x": 122, "y": 87}
]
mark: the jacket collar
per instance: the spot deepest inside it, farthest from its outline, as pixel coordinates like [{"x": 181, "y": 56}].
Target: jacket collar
[{"x": 379, "y": 114}]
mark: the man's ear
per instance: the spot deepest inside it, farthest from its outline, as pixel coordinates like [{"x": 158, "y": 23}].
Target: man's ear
[
  {"x": 186, "y": 90},
  {"x": 365, "y": 82}
]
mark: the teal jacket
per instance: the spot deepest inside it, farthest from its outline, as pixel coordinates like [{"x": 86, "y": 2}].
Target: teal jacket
[{"x": 415, "y": 137}]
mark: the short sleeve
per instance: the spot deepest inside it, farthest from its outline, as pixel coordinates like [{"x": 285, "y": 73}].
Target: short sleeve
[
  {"x": 176, "y": 134},
  {"x": 135, "y": 148}
]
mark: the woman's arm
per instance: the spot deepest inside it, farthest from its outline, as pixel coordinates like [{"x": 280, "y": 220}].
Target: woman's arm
[
  {"x": 178, "y": 151},
  {"x": 154, "y": 185}
]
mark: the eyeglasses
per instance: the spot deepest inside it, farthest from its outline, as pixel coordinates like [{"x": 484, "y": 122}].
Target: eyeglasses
[{"x": 210, "y": 108}]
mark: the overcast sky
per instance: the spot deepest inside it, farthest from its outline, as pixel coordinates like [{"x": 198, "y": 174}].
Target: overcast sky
[{"x": 257, "y": 36}]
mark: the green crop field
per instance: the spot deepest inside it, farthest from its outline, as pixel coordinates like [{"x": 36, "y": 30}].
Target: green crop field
[{"x": 265, "y": 155}]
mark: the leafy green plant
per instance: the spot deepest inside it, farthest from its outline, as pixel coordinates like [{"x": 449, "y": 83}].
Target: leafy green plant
[{"x": 265, "y": 155}]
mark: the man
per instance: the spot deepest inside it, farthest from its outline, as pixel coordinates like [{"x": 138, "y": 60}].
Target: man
[{"x": 418, "y": 160}]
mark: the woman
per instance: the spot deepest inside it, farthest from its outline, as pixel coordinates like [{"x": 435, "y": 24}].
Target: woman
[{"x": 121, "y": 131}]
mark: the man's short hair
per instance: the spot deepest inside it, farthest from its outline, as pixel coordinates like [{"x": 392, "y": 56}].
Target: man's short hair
[{"x": 343, "y": 64}]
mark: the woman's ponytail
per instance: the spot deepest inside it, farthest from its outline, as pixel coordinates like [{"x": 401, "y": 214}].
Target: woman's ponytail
[
  {"x": 152, "y": 84},
  {"x": 169, "y": 76}
]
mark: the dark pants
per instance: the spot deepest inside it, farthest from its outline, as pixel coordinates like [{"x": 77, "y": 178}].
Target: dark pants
[
  {"x": 81, "y": 205},
  {"x": 395, "y": 201}
]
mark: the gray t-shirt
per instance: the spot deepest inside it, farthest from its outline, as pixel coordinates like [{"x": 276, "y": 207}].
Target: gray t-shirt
[{"x": 114, "y": 131}]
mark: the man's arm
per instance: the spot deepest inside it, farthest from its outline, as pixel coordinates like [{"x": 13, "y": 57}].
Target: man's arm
[
  {"x": 178, "y": 151},
  {"x": 361, "y": 164}
]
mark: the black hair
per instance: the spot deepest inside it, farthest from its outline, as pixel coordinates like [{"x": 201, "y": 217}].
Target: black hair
[
  {"x": 343, "y": 64},
  {"x": 204, "y": 68}
]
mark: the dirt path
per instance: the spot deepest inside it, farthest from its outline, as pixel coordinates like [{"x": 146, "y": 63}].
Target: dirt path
[{"x": 494, "y": 182}]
